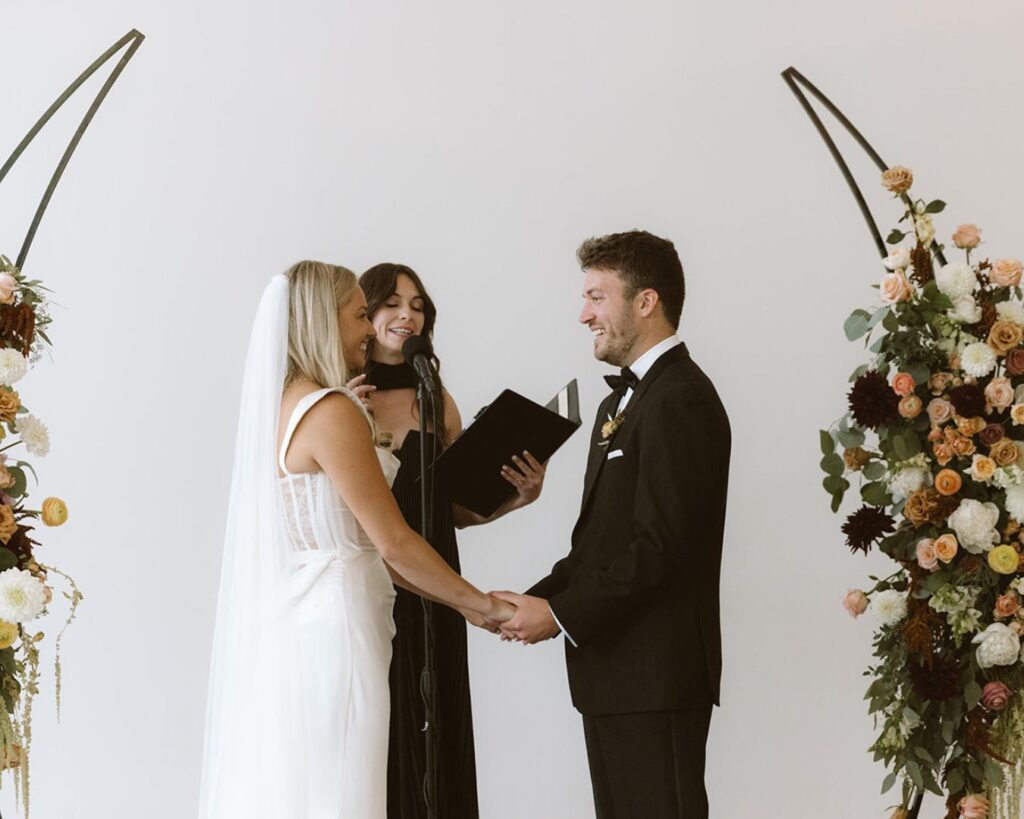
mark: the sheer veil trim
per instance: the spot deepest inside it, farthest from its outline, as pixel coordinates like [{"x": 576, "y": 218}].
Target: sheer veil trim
[{"x": 249, "y": 712}]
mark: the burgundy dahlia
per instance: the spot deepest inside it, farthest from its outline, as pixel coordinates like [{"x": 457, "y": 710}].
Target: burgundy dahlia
[
  {"x": 865, "y": 526},
  {"x": 968, "y": 400},
  {"x": 873, "y": 402}
]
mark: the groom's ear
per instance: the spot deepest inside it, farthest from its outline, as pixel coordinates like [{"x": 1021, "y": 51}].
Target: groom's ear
[{"x": 649, "y": 302}]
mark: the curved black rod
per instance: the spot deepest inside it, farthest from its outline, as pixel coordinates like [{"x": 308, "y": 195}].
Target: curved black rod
[
  {"x": 134, "y": 38},
  {"x": 794, "y": 79}
]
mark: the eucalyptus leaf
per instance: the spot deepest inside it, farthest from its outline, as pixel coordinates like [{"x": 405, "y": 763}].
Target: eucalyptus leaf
[
  {"x": 888, "y": 782},
  {"x": 876, "y": 493},
  {"x": 955, "y": 780},
  {"x": 972, "y": 694},
  {"x": 834, "y": 483},
  {"x": 935, "y": 206},
  {"x": 914, "y": 770},
  {"x": 851, "y": 438},
  {"x": 833, "y": 464},
  {"x": 828, "y": 446},
  {"x": 894, "y": 238},
  {"x": 856, "y": 325},
  {"x": 874, "y": 470}
]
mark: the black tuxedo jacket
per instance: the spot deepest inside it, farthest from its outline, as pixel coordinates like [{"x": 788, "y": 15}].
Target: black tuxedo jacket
[{"x": 638, "y": 592}]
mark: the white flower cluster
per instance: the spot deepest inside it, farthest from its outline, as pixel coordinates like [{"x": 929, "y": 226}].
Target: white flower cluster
[
  {"x": 1015, "y": 501},
  {"x": 956, "y": 280},
  {"x": 34, "y": 435},
  {"x": 13, "y": 366},
  {"x": 905, "y": 482},
  {"x": 1010, "y": 311},
  {"x": 957, "y": 603},
  {"x": 974, "y": 523},
  {"x": 889, "y": 607},
  {"x": 997, "y": 645},
  {"x": 22, "y": 596},
  {"x": 1008, "y": 476},
  {"x": 965, "y": 310}
]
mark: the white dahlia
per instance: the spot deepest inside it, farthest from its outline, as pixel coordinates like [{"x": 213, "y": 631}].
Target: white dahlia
[
  {"x": 889, "y": 607},
  {"x": 956, "y": 280},
  {"x": 1015, "y": 501},
  {"x": 978, "y": 359},
  {"x": 975, "y": 525},
  {"x": 997, "y": 645},
  {"x": 1010, "y": 311},
  {"x": 22, "y": 596},
  {"x": 34, "y": 434},
  {"x": 13, "y": 366}
]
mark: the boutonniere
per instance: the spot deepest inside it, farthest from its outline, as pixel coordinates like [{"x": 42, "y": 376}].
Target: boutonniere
[{"x": 610, "y": 427}]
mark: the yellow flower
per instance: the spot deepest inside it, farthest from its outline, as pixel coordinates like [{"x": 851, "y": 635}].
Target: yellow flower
[
  {"x": 55, "y": 512},
  {"x": 8, "y": 634},
  {"x": 1003, "y": 559}
]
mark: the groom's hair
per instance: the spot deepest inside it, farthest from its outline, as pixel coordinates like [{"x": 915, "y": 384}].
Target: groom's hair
[{"x": 644, "y": 262}]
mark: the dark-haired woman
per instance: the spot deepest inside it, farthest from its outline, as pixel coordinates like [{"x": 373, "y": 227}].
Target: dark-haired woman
[{"x": 399, "y": 307}]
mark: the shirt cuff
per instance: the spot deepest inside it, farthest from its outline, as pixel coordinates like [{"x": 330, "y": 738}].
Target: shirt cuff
[{"x": 566, "y": 633}]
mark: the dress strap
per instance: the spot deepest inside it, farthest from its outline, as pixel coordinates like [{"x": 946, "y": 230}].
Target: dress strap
[{"x": 304, "y": 405}]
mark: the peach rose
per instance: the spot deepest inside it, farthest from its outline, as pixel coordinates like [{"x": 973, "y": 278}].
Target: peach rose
[
  {"x": 963, "y": 446},
  {"x": 1004, "y": 452},
  {"x": 982, "y": 468},
  {"x": 1004, "y": 336},
  {"x": 946, "y": 547},
  {"x": 967, "y": 237},
  {"x": 903, "y": 384},
  {"x": 910, "y": 406},
  {"x": 9, "y": 403},
  {"x": 855, "y": 602},
  {"x": 1005, "y": 273},
  {"x": 943, "y": 453},
  {"x": 938, "y": 383},
  {"x": 926, "y": 506},
  {"x": 939, "y": 410},
  {"x": 1007, "y": 605},
  {"x": 973, "y": 806},
  {"x": 897, "y": 179},
  {"x": 999, "y": 393},
  {"x": 948, "y": 482},
  {"x": 926, "y": 557},
  {"x": 8, "y": 288},
  {"x": 895, "y": 288},
  {"x": 1017, "y": 414}
]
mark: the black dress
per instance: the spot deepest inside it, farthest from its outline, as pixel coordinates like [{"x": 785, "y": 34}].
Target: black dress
[{"x": 457, "y": 797}]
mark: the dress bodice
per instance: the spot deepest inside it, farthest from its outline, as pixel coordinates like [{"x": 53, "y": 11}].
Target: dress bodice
[{"x": 317, "y": 517}]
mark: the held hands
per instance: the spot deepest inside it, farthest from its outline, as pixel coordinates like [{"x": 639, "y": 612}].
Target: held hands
[
  {"x": 532, "y": 622},
  {"x": 362, "y": 390},
  {"x": 500, "y": 612},
  {"x": 527, "y": 477}
]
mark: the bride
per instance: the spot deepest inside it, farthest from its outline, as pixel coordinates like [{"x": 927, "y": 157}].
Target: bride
[{"x": 297, "y": 716}]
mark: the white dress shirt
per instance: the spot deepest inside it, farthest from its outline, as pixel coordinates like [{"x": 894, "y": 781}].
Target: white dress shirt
[{"x": 640, "y": 368}]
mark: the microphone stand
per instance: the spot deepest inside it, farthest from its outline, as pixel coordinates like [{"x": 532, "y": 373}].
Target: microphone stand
[{"x": 428, "y": 677}]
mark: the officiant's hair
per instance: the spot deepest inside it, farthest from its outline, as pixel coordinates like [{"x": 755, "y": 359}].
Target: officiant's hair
[
  {"x": 644, "y": 262},
  {"x": 316, "y": 292}
]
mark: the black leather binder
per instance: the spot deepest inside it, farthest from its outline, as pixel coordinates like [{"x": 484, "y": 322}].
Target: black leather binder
[{"x": 470, "y": 469}]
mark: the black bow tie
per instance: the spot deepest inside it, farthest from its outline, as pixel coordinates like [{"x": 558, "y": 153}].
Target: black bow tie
[{"x": 624, "y": 381}]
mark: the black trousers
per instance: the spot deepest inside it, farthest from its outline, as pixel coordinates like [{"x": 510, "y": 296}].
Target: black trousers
[{"x": 649, "y": 765}]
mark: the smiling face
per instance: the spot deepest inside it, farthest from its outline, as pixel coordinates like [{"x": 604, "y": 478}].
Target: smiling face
[
  {"x": 612, "y": 318},
  {"x": 398, "y": 318},
  {"x": 355, "y": 329}
]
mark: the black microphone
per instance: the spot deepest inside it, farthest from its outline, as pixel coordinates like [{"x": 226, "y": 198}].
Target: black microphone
[{"x": 417, "y": 352}]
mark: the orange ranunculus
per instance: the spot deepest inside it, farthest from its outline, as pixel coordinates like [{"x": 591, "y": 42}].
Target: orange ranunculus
[{"x": 948, "y": 482}]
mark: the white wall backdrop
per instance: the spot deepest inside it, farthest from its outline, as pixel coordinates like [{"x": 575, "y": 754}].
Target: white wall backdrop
[{"x": 479, "y": 142}]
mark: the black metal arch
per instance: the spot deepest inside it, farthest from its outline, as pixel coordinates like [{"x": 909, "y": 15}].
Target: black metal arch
[
  {"x": 133, "y": 39},
  {"x": 794, "y": 79}
]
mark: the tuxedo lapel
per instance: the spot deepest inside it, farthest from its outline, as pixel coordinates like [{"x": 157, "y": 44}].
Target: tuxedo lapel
[{"x": 598, "y": 453}]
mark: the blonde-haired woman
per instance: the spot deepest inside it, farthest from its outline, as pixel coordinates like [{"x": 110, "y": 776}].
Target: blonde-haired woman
[{"x": 297, "y": 721}]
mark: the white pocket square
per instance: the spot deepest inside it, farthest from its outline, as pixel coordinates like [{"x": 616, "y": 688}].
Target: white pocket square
[{"x": 616, "y": 454}]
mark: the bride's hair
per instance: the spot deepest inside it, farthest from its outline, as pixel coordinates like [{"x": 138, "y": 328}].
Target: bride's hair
[{"x": 316, "y": 291}]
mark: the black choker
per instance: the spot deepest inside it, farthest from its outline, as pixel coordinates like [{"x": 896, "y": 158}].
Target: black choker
[{"x": 391, "y": 376}]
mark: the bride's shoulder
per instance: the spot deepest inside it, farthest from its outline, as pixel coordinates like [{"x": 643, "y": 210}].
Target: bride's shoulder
[{"x": 334, "y": 407}]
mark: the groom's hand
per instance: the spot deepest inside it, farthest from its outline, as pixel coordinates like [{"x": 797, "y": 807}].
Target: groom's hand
[{"x": 533, "y": 620}]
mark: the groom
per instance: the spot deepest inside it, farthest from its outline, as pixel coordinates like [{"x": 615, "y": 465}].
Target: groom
[{"x": 637, "y": 596}]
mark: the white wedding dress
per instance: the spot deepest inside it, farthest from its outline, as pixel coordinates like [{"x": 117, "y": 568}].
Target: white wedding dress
[
  {"x": 341, "y": 600},
  {"x": 298, "y": 703}
]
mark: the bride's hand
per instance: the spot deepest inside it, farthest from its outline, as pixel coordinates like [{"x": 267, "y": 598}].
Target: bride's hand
[
  {"x": 475, "y": 618},
  {"x": 362, "y": 390},
  {"x": 500, "y": 611}
]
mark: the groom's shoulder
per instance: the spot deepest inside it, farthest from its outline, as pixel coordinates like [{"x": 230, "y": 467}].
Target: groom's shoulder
[{"x": 684, "y": 383}]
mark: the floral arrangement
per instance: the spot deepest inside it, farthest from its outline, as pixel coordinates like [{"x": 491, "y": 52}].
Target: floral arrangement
[
  {"x": 942, "y": 490},
  {"x": 25, "y": 592}
]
